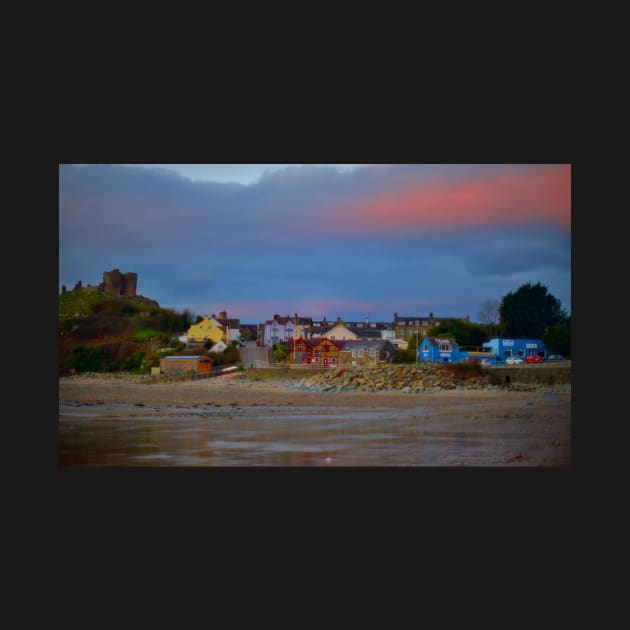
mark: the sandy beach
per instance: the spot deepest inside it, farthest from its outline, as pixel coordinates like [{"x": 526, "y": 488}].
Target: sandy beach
[{"x": 237, "y": 421}]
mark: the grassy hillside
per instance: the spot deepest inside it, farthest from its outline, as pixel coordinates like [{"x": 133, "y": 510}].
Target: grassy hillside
[
  {"x": 101, "y": 333},
  {"x": 73, "y": 304}
]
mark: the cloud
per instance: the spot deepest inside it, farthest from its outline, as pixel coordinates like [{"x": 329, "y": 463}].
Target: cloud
[
  {"x": 501, "y": 197},
  {"x": 313, "y": 237}
]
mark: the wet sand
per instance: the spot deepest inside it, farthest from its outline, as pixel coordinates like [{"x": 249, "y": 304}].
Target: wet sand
[{"x": 230, "y": 421}]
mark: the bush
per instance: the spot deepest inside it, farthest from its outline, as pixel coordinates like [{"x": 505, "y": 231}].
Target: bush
[
  {"x": 84, "y": 360},
  {"x": 405, "y": 356},
  {"x": 133, "y": 363},
  {"x": 464, "y": 370},
  {"x": 280, "y": 352},
  {"x": 229, "y": 356}
]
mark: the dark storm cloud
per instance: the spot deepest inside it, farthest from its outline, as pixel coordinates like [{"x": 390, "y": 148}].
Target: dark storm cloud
[{"x": 277, "y": 241}]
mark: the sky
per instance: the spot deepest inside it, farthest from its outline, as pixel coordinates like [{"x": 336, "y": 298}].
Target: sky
[{"x": 321, "y": 240}]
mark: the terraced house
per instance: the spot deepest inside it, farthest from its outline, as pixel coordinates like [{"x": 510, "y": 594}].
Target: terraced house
[
  {"x": 407, "y": 327},
  {"x": 367, "y": 352},
  {"x": 278, "y": 330}
]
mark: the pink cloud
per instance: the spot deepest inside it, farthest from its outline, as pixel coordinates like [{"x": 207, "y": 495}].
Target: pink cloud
[{"x": 516, "y": 196}]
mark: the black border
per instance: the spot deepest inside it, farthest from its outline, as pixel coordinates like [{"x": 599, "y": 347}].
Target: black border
[{"x": 463, "y": 493}]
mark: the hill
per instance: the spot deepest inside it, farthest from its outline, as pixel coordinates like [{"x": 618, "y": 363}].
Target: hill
[{"x": 98, "y": 332}]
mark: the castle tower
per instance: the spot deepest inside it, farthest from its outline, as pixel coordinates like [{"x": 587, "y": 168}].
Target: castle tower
[
  {"x": 130, "y": 281},
  {"x": 118, "y": 285}
]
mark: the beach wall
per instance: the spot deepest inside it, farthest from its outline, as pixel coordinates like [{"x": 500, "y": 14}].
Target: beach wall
[{"x": 535, "y": 375}]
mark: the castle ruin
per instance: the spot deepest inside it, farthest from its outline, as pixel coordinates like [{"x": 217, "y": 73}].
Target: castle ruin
[
  {"x": 114, "y": 283},
  {"x": 119, "y": 284}
]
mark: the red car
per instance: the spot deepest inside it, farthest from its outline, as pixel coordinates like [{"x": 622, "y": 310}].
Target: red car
[{"x": 534, "y": 359}]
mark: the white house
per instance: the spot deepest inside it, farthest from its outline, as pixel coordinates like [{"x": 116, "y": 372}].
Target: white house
[{"x": 219, "y": 346}]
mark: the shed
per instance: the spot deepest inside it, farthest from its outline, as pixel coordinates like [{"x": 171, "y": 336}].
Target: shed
[{"x": 183, "y": 364}]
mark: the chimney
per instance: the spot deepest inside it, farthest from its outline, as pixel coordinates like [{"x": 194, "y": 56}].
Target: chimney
[
  {"x": 395, "y": 316},
  {"x": 213, "y": 316},
  {"x": 430, "y": 315},
  {"x": 367, "y": 321},
  {"x": 222, "y": 315},
  {"x": 324, "y": 320},
  {"x": 276, "y": 316}
]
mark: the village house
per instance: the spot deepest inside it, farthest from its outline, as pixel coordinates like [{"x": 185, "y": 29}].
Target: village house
[
  {"x": 300, "y": 350},
  {"x": 233, "y": 326},
  {"x": 371, "y": 330},
  {"x": 324, "y": 352},
  {"x": 406, "y": 327},
  {"x": 362, "y": 352},
  {"x": 438, "y": 350},
  {"x": 302, "y": 326},
  {"x": 208, "y": 329},
  {"x": 184, "y": 364},
  {"x": 218, "y": 347},
  {"x": 340, "y": 332},
  {"x": 278, "y": 330}
]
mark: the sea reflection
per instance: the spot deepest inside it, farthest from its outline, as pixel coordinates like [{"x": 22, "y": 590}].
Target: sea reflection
[{"x": 121, "y": 435}]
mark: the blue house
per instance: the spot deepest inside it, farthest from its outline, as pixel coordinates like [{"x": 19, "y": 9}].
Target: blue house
[
  {"x": 438, "y": 350},
  {"x": 503, "y": 348}
]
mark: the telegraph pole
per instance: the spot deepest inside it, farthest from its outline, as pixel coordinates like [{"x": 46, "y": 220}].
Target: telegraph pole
[{"x": 417, "y": 346}]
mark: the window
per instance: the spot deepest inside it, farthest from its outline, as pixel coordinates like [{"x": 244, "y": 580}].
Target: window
[
  {"x": 508, "y": 352},
  {"x": 354, "y": 352},
  {"x": 372, "y": 352},
  {"x": 521, "y": 353},
  {"x": 445, "y": 347},
  {"x": 360, "y": 354}
]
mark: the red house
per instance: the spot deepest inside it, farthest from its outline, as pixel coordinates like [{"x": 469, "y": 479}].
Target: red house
[{"x": 324, "y": 352}]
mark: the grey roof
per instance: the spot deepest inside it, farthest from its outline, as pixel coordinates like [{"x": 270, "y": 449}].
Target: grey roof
[
  {"x": 366, "y": 333},
  {"x": 361, "y": 344},
  {"x": 436, "y": 341}
]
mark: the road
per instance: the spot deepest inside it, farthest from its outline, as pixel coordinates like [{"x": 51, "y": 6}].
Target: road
[{"x": 251, "y": 353}]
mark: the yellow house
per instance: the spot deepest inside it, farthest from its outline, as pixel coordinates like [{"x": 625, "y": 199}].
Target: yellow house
[{"x": 208, "y": 329}]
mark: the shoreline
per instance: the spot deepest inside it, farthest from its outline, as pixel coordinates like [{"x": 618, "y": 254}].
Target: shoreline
[{"x": 227, "y": 389}]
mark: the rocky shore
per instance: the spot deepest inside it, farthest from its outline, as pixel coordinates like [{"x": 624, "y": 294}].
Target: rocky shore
[{"x": 409, "y": 379}]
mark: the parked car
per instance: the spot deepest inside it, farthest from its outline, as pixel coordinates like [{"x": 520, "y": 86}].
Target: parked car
[
  {"x": 486, "y": 362},
  {"x": 534, "y": 358},
  {"x": 555, "y": 357},
  {"x": 514, "y": 361}
]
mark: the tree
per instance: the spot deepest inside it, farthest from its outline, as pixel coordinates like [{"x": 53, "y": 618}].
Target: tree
[
  {"x": 464, "y": 333},
  {"x": 558, "y": 338},
  {"x": 489, "y": 311},
  {"x": 527, "y": 312},
  {"x": 187, "y": 318},
  {"x": 280, "y": 352}
]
